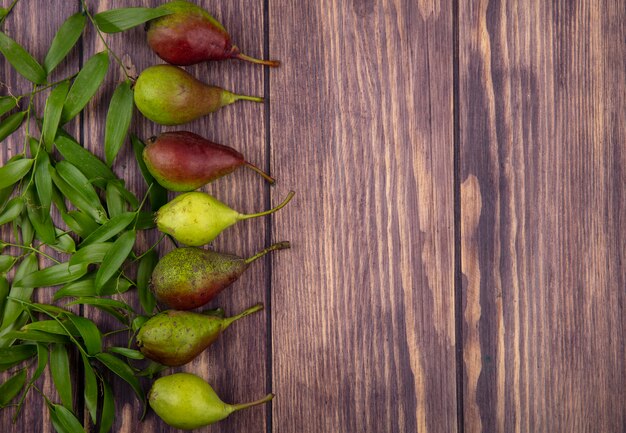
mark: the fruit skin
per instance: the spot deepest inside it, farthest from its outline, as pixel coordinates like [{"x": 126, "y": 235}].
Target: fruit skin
[
  {"x": 174, "y": 338},
  {"x": 168, "y": 95},
  {"x": 184, "y": 161},
  {"x": 190, "y": 35},
  {"x": 186, "y": 401},
  {"x": 188, "y": 278}
]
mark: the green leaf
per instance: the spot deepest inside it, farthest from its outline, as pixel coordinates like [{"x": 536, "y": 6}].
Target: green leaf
[
  {"x": 6, "y": 263},
  {"x": 103, "y": 302},
  {"x": 91, "y": 389},
  {"x": 77, "y": 180},
  {"x": 93, "y": 253},
  {"x": 64, "y": 242},
  {"x": 21, "y": 60},
  {"x": 118, "y": 120},
  {"x": 38, "y": 337},
  {"x": 44, "y": 228},
  {"x": 118, "y": 20},
  {"x": 13, "y": 309},
  {"x": 146, "y": 220},
  {"x": 144, "y": 273},
  {"x": 13, "y": 209},
  {"x": 28, "y": 233},
  {"x": 52, "y": 113},
  {"x": 12, "y": 387},
  {"x": 21, "y": 320},
  {"x": 85, "y": 85},
  {"x": 4, "y": 292},
  {"x": 115, "y": 257},
  {"x": 7, "y": 103},
  {"x": 86, "y": 287},
  {"x": 108, "y": 409},
  {"x": 67, "y": 419},
  {"x": 80, "y": 223},
  {"x": 42, "y": 361},
  {"x": 128, "y": 353},
  {"x": 12, "y": 172},
  {"x": 158, "y": 194},
  {"x": 15, "y": 354},
  {"x": 10, "y": 124},
  {"x": 124, "y": 371},
  {"x": 50, "y": 326},
  {"x": 115, "y": 202},
  {"x": 79, "y": 196},
  {"x": 109, "y": 229},
  {"x": 89, "y": 333},
  {"x": 60, "y": 369},
  {"x": 52, "y": 276},
  {"x": 64, "y": 39},
  {"x": 94, "y": 169},
  {"x": 118, "y": 184},
  {"x": 43, "y": 183}
]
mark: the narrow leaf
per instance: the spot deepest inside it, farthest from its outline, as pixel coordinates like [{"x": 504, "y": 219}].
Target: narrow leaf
[
  {"x": 108, "y": 409},
  {"x": 128, "y": 353},
  {"x": 144, "y": 273},
  {"x": 12, "y": 387},
  {"x": 118, "y": 20},
  {"x": 115, "y": 202},
  {"x": 112, "y": 303},
  {"x": 158, "y": 194},
  {"x": 64, "y": 39},
  {"x": 91, "y": 389},
  {"x": 13, "y": 309},
  {"x": 67, "y": 419},
  {"x": 6, "y": 263},
  {"x": 17, "y": 353},
  {"x": 50, "y": 326},
  {"x": 94, "y": 169},
  {"x": 10, "y": 124},
  {"x": 12, "y": 172},
  {"x": 85, "y": 85},
  {"x": 86, "y": 204},
  {"x": 77, "y": 180},
  {"x": 115, "y": 257},
  {"x": 124, "y": 371},
  {"x": 38, "y": 337},
  {"x": 21, "y": 60},
  {"x": 87, "y": 287},
  {"x": 109, "y": 229},
  {"x": 118, "y": 120},
  {"x": 80, "y": 223},
  {"x": 52, "y": 276},
  {"x": 52, "y": 113},
  {"x": 64, "y": 243},
  {"x": 4, "y": 292},
  {"x": 89, "y": 333},
  {"x": 93, "y": 253},
  {"x": 7, "y": 103},
  {"x": 12, "y": 210},
  {"x": 60, "y": 369},
  {"x": 44, "y": 228},
  {"x": 43, "y": 183}
]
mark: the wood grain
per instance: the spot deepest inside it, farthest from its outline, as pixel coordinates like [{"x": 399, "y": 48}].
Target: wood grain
[
  {"x": 363, "y": 335},
  {"x": 542, "y": 205}
]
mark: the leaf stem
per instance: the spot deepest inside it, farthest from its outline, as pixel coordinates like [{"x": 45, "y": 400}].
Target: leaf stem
[
  {"x": 9, "y": 9},
  {"x": 33, "y": 249}
]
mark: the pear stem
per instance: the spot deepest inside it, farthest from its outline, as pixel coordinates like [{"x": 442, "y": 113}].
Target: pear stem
[
  {"x": 267, "y": 177},
  {"x": 270, "y": 63},
  {"x": 228, "y": 320},
  {"x": 271, "y": 211},
  {"x": 265, "y": 399},
  {"x": 277, "y": 246},
  {"x": 248, "y": 98}
]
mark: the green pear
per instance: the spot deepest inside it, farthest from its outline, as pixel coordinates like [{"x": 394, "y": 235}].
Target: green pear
[
  {"x": 175, "y": 338},
  {"x": 169, "y": 95},
  {"x": 196, "y": 218},
  {"x": 186, "y": 401}
]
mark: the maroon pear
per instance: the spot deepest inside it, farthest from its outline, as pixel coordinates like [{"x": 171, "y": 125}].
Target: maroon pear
[
  {"x": 190, "y": 35},
  {"x": 188, "y": 278},
  {"x": 184, "y": 161}
]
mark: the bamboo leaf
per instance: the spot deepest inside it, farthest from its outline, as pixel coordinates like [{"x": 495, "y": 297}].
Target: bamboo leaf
[
  {"x": 10, "y": 124},
  {"x": 89, "y": 332},
  {"x": 128, "y": 353},
  {"x": 13, "y": 209},
  {"x": 17, "y": 353},
  {"x": 13, "y": 309},
  {"x": 124, "y": 371},
  {"x": 93, "y": 253},
  {"x": 21, "y": 60},
  {"x": 144, "y": 273},
  {"x": 64, "y": 39},
  {"x": 6, "y": 263},
  {"x": 43, "y": 183},
  {"x": 80, "y": 223},
  {"x": 60, "y": 369},
  {"x": 85, "y": 85},
  {"x": 118, "y": 20},
  {"x": 64, "y": 242},
  {"x": 77, "y": 180},
  {"x": 97, "y": 301},
  {"x": 158, "y": 194},
  {"x": 115, "y": 257},
  {"x": 118, "y": 120},
  {"x": 94, "y": 169},
  {"x": 42, "y": 223},
  {"x": 67, "y": 419},
  {"x": 38, "y": 337},
  {"x": 115, "y": 202},
  {"x": 52, "y": 276},
  {"x": 52, "y": 113},
  {"x": 87, "y": 287},
  {"x": 12, "y": 172},
  {"x": 91, "y": 389},
  {"x": 4, "y": 292},
  {"x": 109, "y": 229},
  {"x": 50, "y": 326},
  {"x": 7, "y": 103},
  {"x": 12, "y": 387},
  {"x": 108, "y": 409},
  {"x": 80, "y": 197}
]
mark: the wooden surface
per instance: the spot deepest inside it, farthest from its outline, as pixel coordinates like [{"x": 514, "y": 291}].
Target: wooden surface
[{"x": 458, "y": 256}]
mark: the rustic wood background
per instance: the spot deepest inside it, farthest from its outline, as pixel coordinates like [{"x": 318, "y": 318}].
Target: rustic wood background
[{"x": 458, "y": 262}]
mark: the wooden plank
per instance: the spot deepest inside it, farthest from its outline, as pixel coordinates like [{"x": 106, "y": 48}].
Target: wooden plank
[
  {"x": 34, "y": 30},
  {"x": 542, "y": 204},
  {"x": 363, "y": 335},
  {"x": 236, "y": 364}
]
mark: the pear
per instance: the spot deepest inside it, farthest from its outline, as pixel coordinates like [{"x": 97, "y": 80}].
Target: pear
[
  {"x": 175, "y": 338},
  {"x": 186, "y": 401},
  {"x": 196, "y": 218},
  {"x": 188, "y": 278},
  {"x": 190, "y": 35},
  {"x": 184, "y": 161},
  {"x": 168, "y": 95}
]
